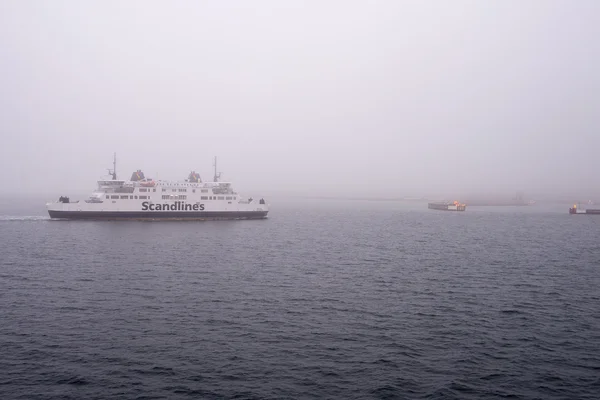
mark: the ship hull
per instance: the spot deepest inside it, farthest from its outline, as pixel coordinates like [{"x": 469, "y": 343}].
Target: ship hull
[
  {"x": 574, "y": 211},
  {"x": 157, "y": 215}
]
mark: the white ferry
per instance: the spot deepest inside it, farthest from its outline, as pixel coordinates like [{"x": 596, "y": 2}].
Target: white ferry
[{"x": 145, "y": 198}]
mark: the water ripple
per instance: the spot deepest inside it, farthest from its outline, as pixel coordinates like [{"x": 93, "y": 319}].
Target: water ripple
[{"x": 353, "y": 301}]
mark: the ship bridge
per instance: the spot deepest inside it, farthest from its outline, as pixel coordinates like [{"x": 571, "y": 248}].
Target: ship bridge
[{"x": 110, "y": 183}]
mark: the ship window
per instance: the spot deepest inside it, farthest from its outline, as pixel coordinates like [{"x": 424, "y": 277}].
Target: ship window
[
  {"x": 143, "y": 190},
  {"x": 193, "y": 190},
  {"x": 131, "y": 197},
  {"x": 143, "y": 197},
  {"x": 166, "y": 197},
  {"x": 228, "y": 198},
  {"x": 124, "y": 197},
  {"x": 182, "y": 197},
  {"x": 164, "y": 190},
  {"x": 234, "y": 198},
  {"x": 220, "y": 198},
  {"x": 204, "y": 190},
  {"x": 154, "y": 190},
  {"x": 174, "y": 190},
  {"x": 203, "y": 197},
  {"x": 114, "y": 197},
  {"x": 136, "y": 197}
]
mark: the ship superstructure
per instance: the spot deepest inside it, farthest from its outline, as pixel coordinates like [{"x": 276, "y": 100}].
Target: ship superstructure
[{"x": 145, "y": 198}]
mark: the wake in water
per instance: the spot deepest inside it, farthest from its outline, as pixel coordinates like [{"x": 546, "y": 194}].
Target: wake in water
[{"x": 24, "y": 218}]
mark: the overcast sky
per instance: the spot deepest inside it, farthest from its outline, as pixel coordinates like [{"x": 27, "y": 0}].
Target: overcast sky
[{"x": 384, "y": 97}]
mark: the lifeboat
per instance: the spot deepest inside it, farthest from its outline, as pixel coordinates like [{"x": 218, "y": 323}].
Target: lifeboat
[{"x": 148, "y": 184}]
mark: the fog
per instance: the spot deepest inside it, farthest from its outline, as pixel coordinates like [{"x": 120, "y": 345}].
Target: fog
[{"x": 381, "y": 98}]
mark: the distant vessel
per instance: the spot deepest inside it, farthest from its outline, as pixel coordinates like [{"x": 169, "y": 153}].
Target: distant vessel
[
  {"x": 145, "y": 198},
  {"x": 447, "y": 206},
  {"x": 588, "y": 211}
]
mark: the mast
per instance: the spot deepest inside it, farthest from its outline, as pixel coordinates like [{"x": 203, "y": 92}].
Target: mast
[
  {"x": 115, "y": 167},
  {"x": 217, "y": 174},
  {"x": 113, "y": 172}
]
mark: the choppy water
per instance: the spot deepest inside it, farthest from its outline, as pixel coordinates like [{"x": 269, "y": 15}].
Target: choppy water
[{"x": 322, "y": 300}]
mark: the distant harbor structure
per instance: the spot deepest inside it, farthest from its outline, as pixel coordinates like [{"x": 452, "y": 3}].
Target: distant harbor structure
[
  {"x": 447, "y": 206},
  {"x": 517, "y": 200}
]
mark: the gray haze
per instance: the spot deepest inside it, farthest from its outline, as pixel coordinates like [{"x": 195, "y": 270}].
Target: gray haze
[{"x": 308, "y": 97}]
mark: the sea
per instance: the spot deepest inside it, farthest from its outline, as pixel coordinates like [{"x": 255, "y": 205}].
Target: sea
[{"x": 325, "y": 299}]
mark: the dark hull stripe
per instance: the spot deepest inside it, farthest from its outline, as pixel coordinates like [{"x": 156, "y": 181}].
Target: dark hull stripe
[
  {"x": 582, "y": 213},
  {"x": 189, "y": 215}
]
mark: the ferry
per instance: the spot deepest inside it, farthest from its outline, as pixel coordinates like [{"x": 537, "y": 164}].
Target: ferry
[{"x": 149, "y": 199}]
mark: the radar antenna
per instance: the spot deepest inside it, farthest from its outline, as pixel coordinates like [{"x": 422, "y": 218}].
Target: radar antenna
[
  {"x": 217, "y": 174},
  {"x": 113, "y": 171}
]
